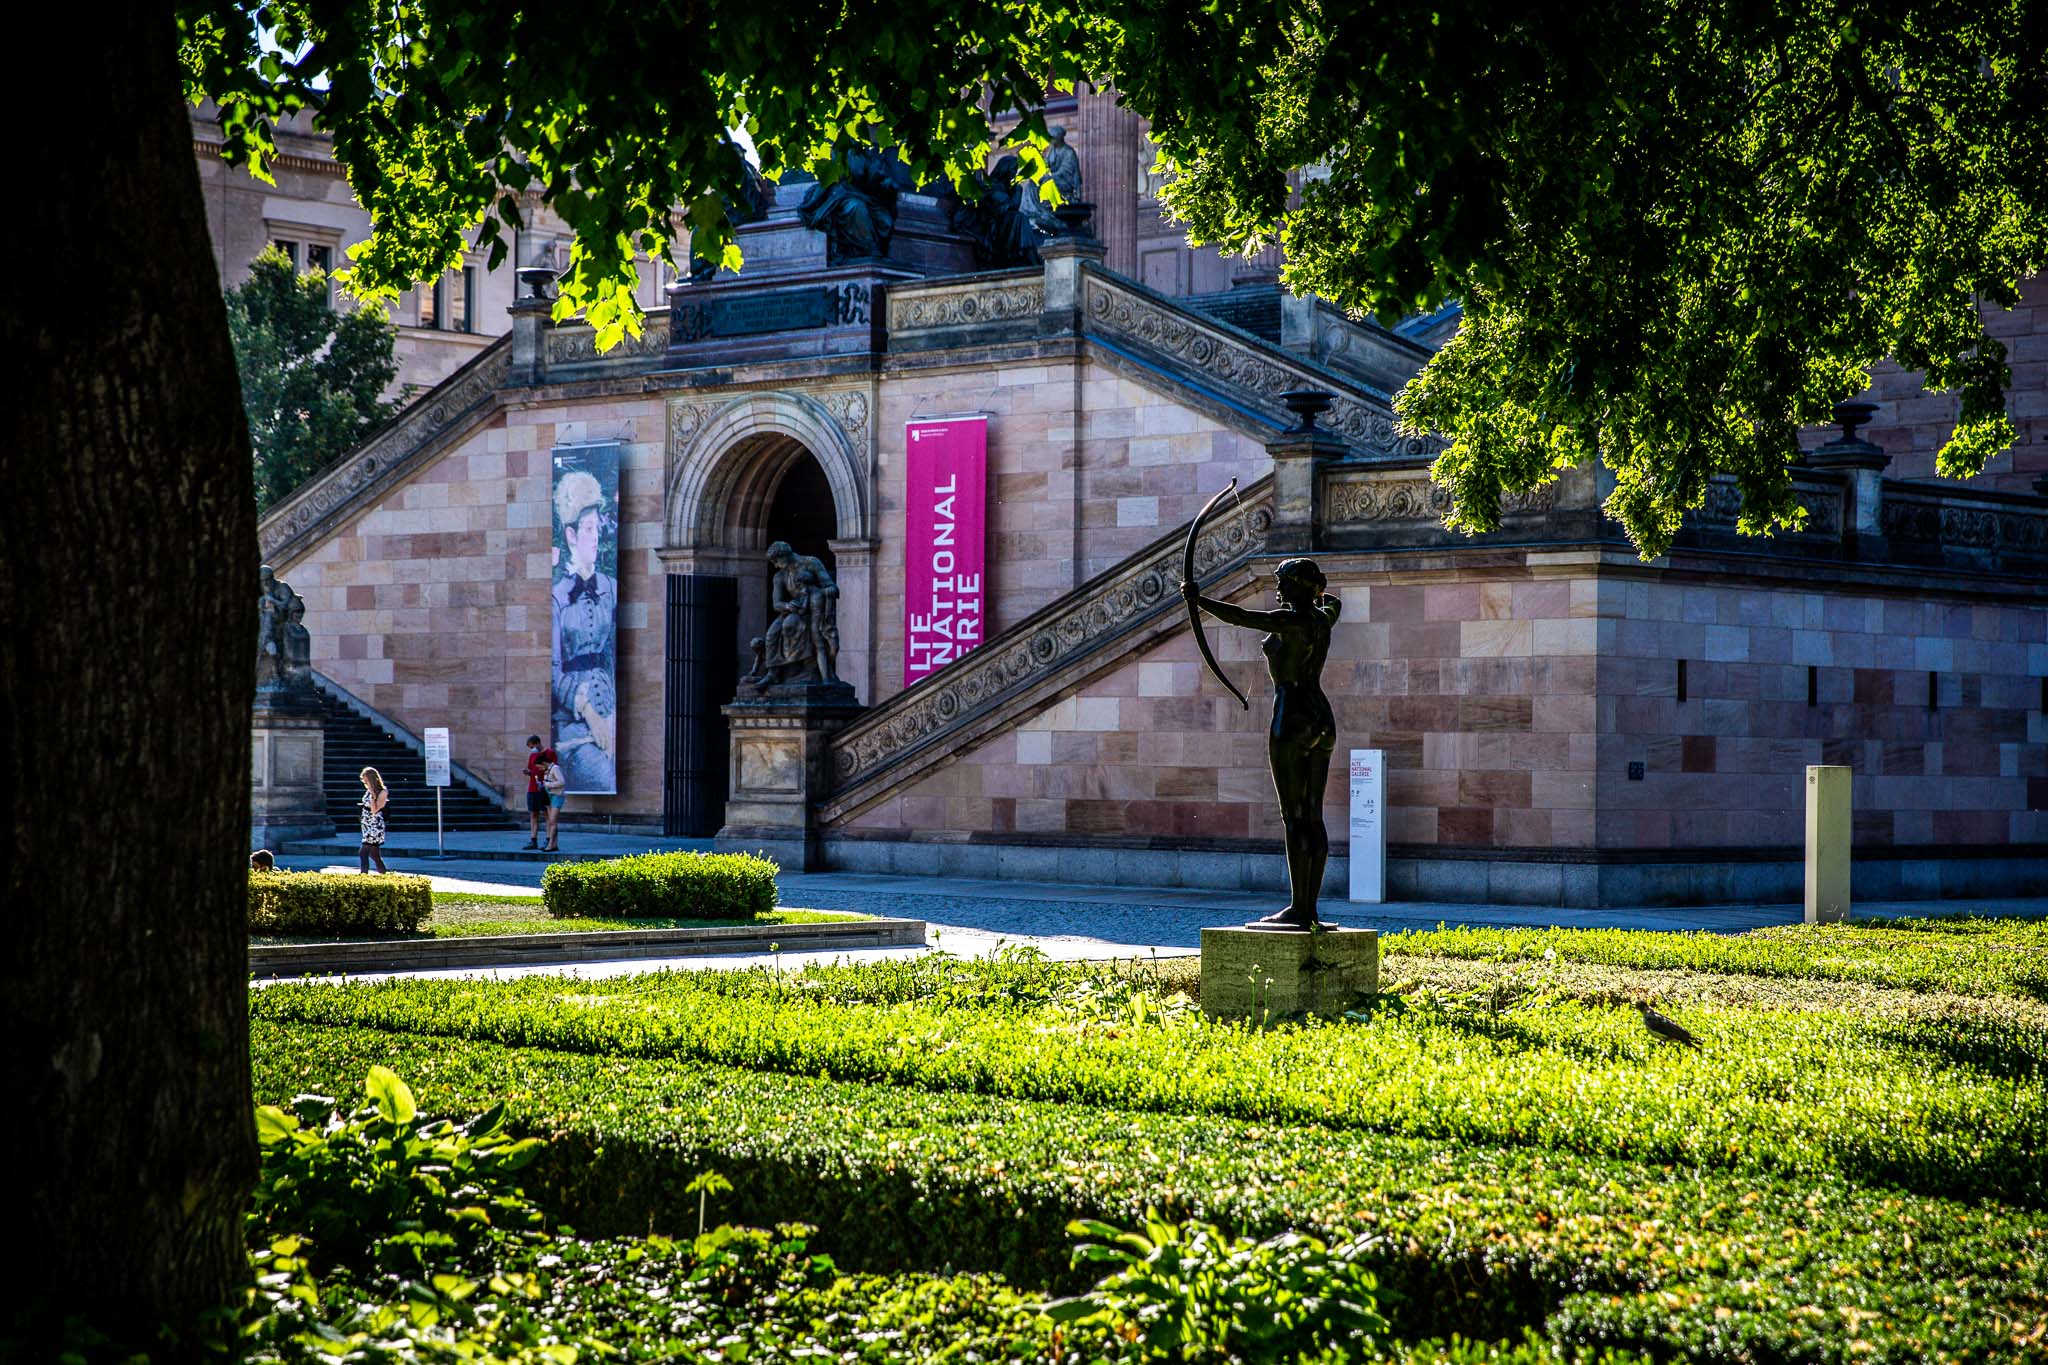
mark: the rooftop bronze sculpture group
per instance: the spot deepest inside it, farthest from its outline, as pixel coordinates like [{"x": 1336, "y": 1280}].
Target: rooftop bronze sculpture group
[{"x": 1304, "y": 731}]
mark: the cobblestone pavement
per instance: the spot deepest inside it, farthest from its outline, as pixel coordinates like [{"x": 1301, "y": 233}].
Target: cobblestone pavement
[{"x": 972, "y": 918}]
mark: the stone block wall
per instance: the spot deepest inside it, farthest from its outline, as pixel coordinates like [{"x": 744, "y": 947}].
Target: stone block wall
[
  {"x": 1912, "y": 424},
  {"x": 1480, "y": 687},
  {"x": 1511, "y": 704},
  {"x": 1085, "y": 468},
  {"x": 433, "y": 606},
  {"x": 1778, "y": 678}
]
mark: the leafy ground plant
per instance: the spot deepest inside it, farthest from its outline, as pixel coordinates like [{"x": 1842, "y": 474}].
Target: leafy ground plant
[{"x": 1189, "y": 1291}]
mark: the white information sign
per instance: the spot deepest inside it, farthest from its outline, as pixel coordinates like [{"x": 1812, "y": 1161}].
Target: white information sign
[
  {"x": 435, "y": 741},
  {"x": 1369, "y": 826}
]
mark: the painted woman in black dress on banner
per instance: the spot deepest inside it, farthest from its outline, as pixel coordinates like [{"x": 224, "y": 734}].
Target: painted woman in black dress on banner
[{"x": 585, "y": 649}]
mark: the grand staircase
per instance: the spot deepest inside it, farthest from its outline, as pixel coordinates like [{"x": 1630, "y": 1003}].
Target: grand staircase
[
  {"x": 1232, "y": 356},
  {"x": 354, "y": 743}
]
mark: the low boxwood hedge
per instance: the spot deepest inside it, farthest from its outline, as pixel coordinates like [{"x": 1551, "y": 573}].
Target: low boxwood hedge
[
  {"x": 662, "y": 885},
  {"x": 1950, "y": 1107},
  {"x": 1679, "y": 1261},
  {"x": 330, "y": 904},
  {"x": 1963, "y": 956}
]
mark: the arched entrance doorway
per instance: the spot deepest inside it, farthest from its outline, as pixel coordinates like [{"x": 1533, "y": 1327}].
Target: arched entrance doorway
[{"x": 763, "y": 467}]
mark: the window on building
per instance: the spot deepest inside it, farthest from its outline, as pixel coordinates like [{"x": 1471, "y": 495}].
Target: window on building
[
  {"x": 449, "y": 304},
  {"x": 462, "y": 300},
  {"x": 289, "y": 248}
]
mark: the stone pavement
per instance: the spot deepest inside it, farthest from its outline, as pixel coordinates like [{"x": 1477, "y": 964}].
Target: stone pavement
[{"x": 975, "y": 917}]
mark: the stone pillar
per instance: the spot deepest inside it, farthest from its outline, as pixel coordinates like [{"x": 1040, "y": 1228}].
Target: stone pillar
[
  {"x": 854, "y": 567},
  {"x": 1108, "y": 139},
  {"x": 1864, "y": 463},
  {"x": 1828, "y": 832},
  {"x": 1298, "y": 324},
  {"x": 781, "y": 770},
  {"x": 530, "y": 314},
  {"x": 1298, "y": 454},
  {"x": 1063, "y": 258},
  {"x": 287, "y": 800}
]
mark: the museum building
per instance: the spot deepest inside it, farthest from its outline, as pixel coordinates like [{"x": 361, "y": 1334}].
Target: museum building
[{"x": 556, "y": 541}]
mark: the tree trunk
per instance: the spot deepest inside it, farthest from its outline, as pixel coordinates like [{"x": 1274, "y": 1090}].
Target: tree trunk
[{"x": 127, "y": 584}]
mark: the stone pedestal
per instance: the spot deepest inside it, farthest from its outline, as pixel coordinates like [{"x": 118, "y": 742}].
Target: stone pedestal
[
  {"x": 1275, "y": 974},
  {"x": 286, "y": 798},
  {"x": 780, "y": 769}
]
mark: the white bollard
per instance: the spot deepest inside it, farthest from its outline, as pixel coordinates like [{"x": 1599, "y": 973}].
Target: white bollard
[{"x": 1827, "y": 844}]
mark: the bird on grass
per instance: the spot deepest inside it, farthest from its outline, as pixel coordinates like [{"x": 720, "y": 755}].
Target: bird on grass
[{"x": 1666, "y": 1029}]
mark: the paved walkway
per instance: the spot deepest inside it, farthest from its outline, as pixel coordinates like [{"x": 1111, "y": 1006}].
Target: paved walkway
[{"x": 974, "y": 917}]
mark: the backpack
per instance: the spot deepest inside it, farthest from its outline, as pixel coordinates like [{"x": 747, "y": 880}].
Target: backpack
[{"x": 554, "y": 779}]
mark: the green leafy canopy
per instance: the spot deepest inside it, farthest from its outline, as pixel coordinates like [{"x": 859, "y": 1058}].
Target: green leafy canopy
[
  {"x": 451, "y": 116},
  {"x": 312, "y": 375},
  {"x": 1679, "y": 232}
]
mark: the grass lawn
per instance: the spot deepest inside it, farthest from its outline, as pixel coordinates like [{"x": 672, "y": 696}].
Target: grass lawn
[
  {"x": 1849, "y": 1168},
  {"x": 464, "y": 914}
]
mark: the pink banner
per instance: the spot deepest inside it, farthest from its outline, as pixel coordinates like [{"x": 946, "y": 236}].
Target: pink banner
[{"x": 946, "y": 532}]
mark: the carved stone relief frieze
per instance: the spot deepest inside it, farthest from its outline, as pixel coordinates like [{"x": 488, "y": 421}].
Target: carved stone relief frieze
[
  {"x": 1722, "y": 507},
  {"x": 1359, "y": 501},
  {"x": 925, "y": 309},
  {"x": 1965, "y": 526},
  {"x": 578, "y": 345}
]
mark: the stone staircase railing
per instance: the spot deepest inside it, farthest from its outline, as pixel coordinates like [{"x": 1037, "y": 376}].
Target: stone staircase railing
[
  {"x": 1027, "y": 666},
  {"x": 1235, "y": 367},
  {"x": 414, "y": 436}
]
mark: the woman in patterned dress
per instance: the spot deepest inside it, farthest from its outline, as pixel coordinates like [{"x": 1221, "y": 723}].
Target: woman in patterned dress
[{"x": 371, "y": 810}]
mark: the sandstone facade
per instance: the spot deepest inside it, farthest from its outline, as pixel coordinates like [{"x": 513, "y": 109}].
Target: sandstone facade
[{"x": 1564, "y": 723}]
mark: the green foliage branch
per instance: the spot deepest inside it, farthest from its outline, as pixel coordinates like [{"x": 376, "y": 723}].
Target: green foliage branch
[
  {"x": 312, "y": 375},
  {"x": 453, "y": 115},
  {"x": 1680, "y": 232},
  {"x": 1189, "y": 1291}
]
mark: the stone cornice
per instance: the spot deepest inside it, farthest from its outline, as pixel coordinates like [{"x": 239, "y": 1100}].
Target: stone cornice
[
  {"x": 441, "y": 415},
  {"x": 290, "y": 161},
  {"x": 1025, "y": 666}
]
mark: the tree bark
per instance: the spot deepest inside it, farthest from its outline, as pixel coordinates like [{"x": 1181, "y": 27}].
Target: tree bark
[{"x": 127, "y": 582}]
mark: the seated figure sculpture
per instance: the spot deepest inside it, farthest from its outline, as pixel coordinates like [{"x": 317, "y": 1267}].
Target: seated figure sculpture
[
  {"x": 284, "y": 647},
  {"x": 801, "y": 644}
]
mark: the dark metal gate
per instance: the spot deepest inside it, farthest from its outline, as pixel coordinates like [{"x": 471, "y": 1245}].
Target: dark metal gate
[{"x": 702, "y": 675}]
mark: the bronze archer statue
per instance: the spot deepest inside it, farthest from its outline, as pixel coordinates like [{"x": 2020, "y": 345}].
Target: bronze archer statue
[{"x": 1304, "y": 732}]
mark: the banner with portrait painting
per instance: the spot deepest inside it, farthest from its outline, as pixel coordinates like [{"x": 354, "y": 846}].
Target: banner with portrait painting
[{"x": 584, "y": 713}]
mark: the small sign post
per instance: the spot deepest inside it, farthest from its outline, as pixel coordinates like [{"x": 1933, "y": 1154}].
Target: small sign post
[
  {"x": 1369, "y": 826},
  {"x": 435, "y": 741}
]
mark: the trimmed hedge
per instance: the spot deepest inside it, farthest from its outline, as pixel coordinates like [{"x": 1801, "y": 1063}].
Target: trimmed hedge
[
  {"x": 662, "y": 885},
  {"x": 1952, "y": 1107},
  {"x": 1677, "y": 1261},
  {"x": 332, "y": 904},
  {"x": 1961, "y": 956}
]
